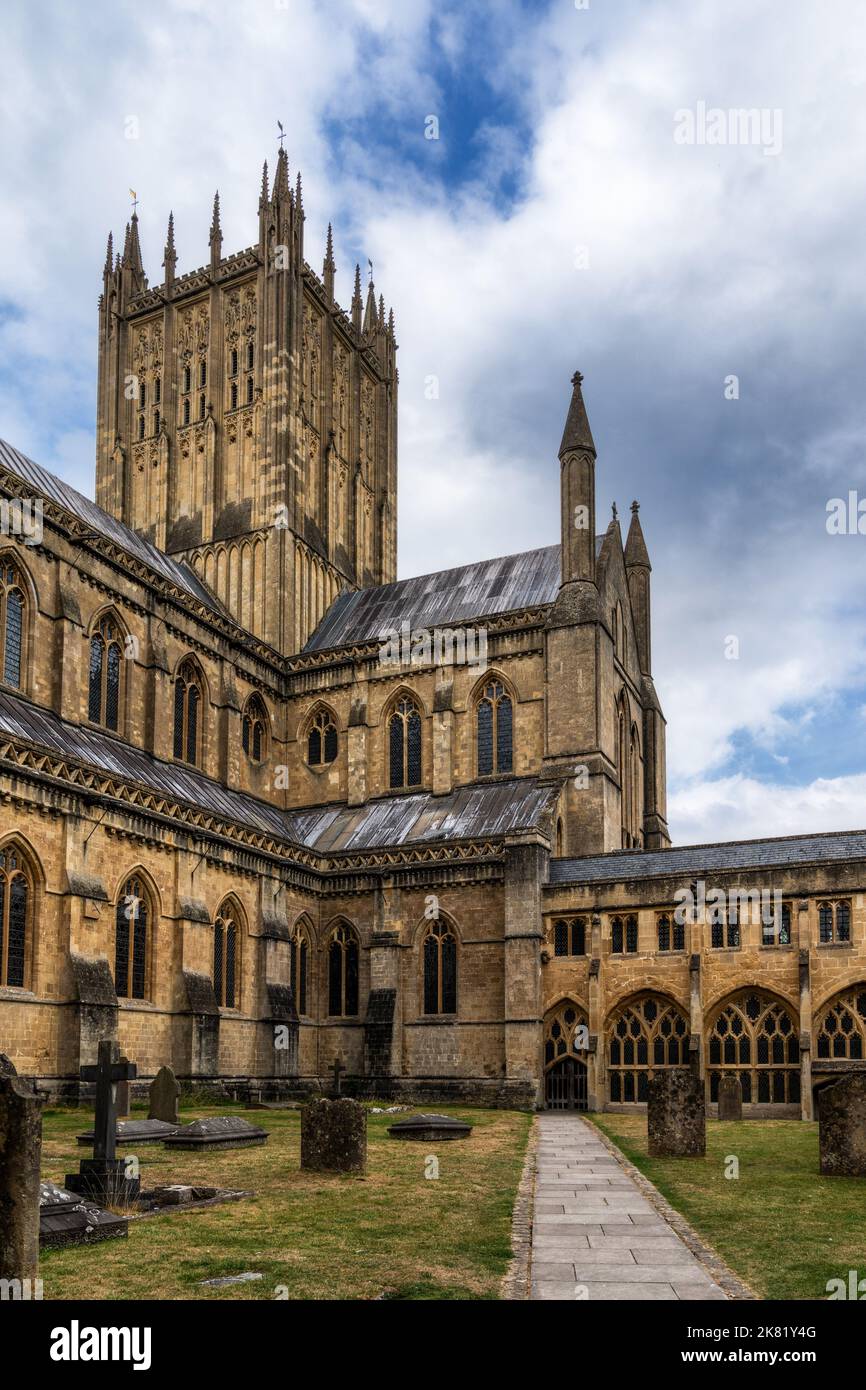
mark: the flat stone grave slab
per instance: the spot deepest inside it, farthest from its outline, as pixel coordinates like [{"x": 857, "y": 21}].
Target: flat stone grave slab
[
  {"x": 128, "y": 1132},
  {"x": 67, "y": 1219},
  {"x": 221, "y": 1132},
  {"x": 430, "y": 1128}
]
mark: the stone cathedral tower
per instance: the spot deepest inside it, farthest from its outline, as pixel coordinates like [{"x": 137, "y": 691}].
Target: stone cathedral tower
[{"x": 247, "y": 424}]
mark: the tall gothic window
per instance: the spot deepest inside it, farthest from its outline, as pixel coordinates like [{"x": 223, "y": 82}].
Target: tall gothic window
[
  {"x": 321, "y": 739},
  {"x": 778, "y": 931},
  {"x": 11, "y": 623},
  {"x": 623, "y": 935},
  {"x": 15, "y": 891},
  {"x": 130, "y": 940},
  {"x": 834, "y": 921},
  {"x": 671, "y": 933},
  {"x": 404, "y": 744},
  {"x": 254, "y": 730},
  {"x": 569, "y": 937},
  {"x": 106, "y": 654},
  {"x": 440, "y": 969},
  {"x": 187, "y": 708},
  {"x": 494, "y": 730},
  {"x": 299, "y": 962},
  {"x": 251, "y": 354},
  {"x": 343, "y": 972},
  {"x": 842, "y": 1027},
  {"x": 725, "y": 926},
  {"x": 755, "y": 1037},
  {"x": 225, "y": 956},
  {"x": 647, "y": 1034}
]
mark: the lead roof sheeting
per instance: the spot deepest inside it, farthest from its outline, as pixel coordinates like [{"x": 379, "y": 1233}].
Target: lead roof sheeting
[
  {"x": 453, "y": 596},
  {"x": 697, "y": 860},
  {"x": 466, "y": 813},
  {"x": 97, "y": 520}
]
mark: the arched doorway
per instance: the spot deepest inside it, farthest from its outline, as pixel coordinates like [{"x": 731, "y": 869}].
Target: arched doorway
[{"x": 565, "y": 1049}]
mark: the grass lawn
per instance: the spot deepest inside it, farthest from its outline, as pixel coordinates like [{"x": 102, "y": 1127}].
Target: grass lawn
[
  {"x": 781, "y": 1226},
  {"x": 393, "y": 1232}
]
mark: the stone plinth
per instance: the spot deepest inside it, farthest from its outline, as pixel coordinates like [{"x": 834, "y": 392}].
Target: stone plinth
[
  {"x": 334, "y": 1136},
  {"x": 842, "y": 1127},
  {"x": 730, "y": 1098},
  {"x": 20, "y": 1154},
  {"x": 676, "y": 1114}
]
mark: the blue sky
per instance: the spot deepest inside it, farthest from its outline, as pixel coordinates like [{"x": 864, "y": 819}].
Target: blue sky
[{"x": 555, "y": 223}]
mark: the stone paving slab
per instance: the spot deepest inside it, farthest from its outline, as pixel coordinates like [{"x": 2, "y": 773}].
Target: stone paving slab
[{"x": 595, "y": 1235}]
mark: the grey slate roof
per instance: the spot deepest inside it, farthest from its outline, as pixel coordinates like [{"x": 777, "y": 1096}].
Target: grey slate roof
[
  {"x": 528, "y": 580},
  {"x": 689, "y": 861},
  {"x": 40, "y": 482},
  {"x": 473, "y": 812}
]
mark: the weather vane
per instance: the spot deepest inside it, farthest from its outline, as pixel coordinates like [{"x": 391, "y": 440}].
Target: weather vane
[
  {"x": 134, "y": 196},
  {"x": 282, "y": 133},
  {"x": 370, "y": 264}
]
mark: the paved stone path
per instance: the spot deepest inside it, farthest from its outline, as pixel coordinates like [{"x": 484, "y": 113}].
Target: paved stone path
[{"x": 594, "y": 1234}]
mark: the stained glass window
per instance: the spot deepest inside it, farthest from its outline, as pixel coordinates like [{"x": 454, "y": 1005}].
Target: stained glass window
[
  {"x": 11, "y": 623},
  {"x": 494, "y": 730},
  {"x": 130, "y": 940},
  {"x": 343, "y": 972},
  {"x": 105, "y": 674},
  {"x": 187, "y": 700},
  {"x": 440, "y": 969},
  {"x": 225, "y": 955},
  {"x": 321, "y": 739},
  {"x": 254, "y": 727},
  {"x": 404, "y": 745},
  {"x": 14, "y": 918}
]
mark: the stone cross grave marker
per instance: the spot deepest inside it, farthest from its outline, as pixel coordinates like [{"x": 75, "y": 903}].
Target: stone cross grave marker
[{"x": 104, "y": 1176}]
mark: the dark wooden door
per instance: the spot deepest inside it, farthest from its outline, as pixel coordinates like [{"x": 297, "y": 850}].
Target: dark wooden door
[{"x": 565, "y": 1085}]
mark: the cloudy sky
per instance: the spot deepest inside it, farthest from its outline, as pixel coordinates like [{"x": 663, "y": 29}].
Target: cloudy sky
[{"x": 559, "y": 220}]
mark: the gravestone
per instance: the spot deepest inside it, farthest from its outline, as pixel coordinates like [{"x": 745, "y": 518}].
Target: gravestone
[
  {"x": 334, "y": 1136},
  {"x": 730, "y": 1097},
  {"x": 164, "y": 1094},
  {"x": 103, "y": 1177},
  {"x": 339, "y": 1068},
  {"x": 222, "y": 1132},
  {"x": 676, "y": 1114},
  {"x": 842, "y": 1127},
  {"x": 122, "y": 1093},
  {"x": 20, "y": 1153},
  {"x": 430, "y": 1128},
  {"x": 67, "y": 1219}
]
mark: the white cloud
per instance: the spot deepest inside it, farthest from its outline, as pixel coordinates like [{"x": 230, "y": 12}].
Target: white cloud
[{"x": 743, "y": 808}]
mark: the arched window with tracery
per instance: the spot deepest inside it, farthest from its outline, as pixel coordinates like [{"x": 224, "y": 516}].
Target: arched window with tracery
[
  {"x": 12, "y": 614},
  {"x": 404, "y": 744},
  {"x": 841, "y": 1029},
  {"x": 754, "y": 1036},
  {"x": 343, "y": 959},
  {"x": 834, "y": 921},
  {"x": 132, "y": 922},
  {"x": 254, "y": 729},
  {"x": 565, "y": 1033},
  {"x": 671, "y": 932},
  {"x": 226, "y": 939},
  {"x": 106, "y": 665},
  {"x": 494, "y": 730},
  {"x": 623, "y": 935},
  {"x": 299, "y": 965},
  {"x": 15, "y": 914},
  {"x": 569, "y": 936},
  {"x": 622, "y": 767},
  {"x": 644, "y": 1035},
  {"x": 187, "y": 713},
  {"x": 321, "y": 739},
  {"x": 440, "y": 969}
]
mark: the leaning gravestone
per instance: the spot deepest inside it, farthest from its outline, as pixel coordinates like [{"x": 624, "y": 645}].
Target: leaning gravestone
[
  {"x": 730, "y": 1098},
  {"x": 222, "y": 1132},
  {"x": 842, "y": 1127},
  {"x": 164, "y": 1093},
  {"x": 20, "y": 1153},
  {"x": 676, "y": 1114},
  {"x": 334, "y": 1136}
]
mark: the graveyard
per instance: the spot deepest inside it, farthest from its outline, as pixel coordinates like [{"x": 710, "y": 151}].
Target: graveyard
[
  {"x": 784, "y": 1227},
  {"x": 391, "y": 1232}
]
